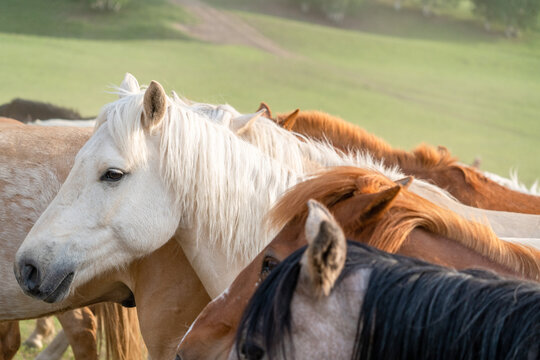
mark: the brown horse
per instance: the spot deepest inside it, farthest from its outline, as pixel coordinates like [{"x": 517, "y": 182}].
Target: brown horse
[
  {"x": 28, "y": 110},
  {"x": 154, "y": 282},
  {"x": 465, "y": 183},
  {"x": 373, "y": 210}
]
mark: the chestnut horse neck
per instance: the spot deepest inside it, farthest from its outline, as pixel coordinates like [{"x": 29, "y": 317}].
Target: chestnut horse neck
[
  {"x": 407, "y": 212},
  {"x": 466, "y": 184}
]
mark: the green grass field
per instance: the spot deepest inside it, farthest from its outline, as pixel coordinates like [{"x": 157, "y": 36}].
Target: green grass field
[
  {"x": 440, "y": 81},
  {"x": 408, "y": 79}
]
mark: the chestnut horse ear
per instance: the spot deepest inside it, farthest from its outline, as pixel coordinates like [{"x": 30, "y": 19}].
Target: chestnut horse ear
[
  {"x": 129, "y": 85},
  {"x": 326, "y": 252},
  {"x": 362, "y": 209},
  {"x": 264, "y": 106},
  {"x": 154, "y": 106},
  {"x": 405, "y": 182},
  {"x": 290, "y": 120},
  {"x": 242, "y": 124}
]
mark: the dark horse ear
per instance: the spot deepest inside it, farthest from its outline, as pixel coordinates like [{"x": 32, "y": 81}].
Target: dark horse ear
[
  {"x": 290, "y": 120},
  {"x": 326, "y": 252},
  {"x": 362, "y": 209},
  {"x": 154, "y": 106},
  {"x": 264, "y": 106}
]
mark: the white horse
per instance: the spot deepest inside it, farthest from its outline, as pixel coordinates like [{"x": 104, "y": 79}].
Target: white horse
[{"x": 153, "y": 168}]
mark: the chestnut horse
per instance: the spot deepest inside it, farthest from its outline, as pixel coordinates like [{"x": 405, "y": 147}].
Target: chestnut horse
[
  {"x": 465, "y": 183},
  {"x": 373, "y": 210},
  {"x": 158, "y": 280}
]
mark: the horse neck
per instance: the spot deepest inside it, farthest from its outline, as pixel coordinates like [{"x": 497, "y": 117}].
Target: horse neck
[
  {"x": 224, "y": 188},
  {"x": 504, "y": 224},
  {"x": 441, "y": 250},
  {"x": 452, "y": 240},
  {"x": 483, "y": 192}
]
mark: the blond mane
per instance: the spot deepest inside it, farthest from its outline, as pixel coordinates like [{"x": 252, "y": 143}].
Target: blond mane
[
  {"x": 408, "y": 212},
  {"x": 216, "y": 178}
]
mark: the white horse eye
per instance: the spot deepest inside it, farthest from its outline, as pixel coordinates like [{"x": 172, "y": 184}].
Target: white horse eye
[{"x": 112, "y": 175}]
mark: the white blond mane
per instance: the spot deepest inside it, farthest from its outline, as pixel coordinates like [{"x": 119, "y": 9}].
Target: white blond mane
[{"x": 222, "y": 184}]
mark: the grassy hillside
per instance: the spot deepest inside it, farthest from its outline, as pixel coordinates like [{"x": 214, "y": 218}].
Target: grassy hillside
[{"x": 449, "y": 84}]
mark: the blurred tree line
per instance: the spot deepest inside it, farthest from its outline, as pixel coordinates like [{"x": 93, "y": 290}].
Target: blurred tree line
[{"x": 512, "y": 14}]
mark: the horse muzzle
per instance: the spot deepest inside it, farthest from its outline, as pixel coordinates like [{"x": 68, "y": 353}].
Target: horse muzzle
[{"x": 50, "y": 286}]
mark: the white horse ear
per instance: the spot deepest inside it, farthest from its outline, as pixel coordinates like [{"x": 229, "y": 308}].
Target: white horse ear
[
  {"x": 154, "y": 106},
  {"x": 243, "y": 123},
  {"x": 325, "y": 255},
  {"x": 129, "y": 85}
]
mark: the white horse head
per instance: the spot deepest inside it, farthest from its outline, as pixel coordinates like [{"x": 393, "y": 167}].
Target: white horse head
[
  {"x": 152, "y": 167},
  {"x": 113, "y": 206}
]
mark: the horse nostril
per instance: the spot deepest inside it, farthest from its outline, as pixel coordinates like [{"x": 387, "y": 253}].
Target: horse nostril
[
  {"x": 177, "y": 357},
  {"x": 252, "y": 351},
  {"x": 30, "y": 277}
]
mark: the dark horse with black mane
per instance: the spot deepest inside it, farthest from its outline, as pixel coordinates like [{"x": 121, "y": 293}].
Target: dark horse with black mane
[{"x": 346, "y": 300}]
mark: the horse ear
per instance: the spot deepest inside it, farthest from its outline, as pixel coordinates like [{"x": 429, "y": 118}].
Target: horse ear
[
  {"x": 154, "y": 105},
  {"x": 362, "y": 209},
  {"x": 129, "y": 85},
  {"x": 405, "y": 182},
  {"x": 243, "y": 123},
  {"x": 326, "y": 252},
  {"x": 264, "y": 106},
  {"x": 290, "y": 120}
]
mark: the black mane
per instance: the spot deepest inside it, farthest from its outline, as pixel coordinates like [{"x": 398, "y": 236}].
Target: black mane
[{"x": 411, "y": 310}]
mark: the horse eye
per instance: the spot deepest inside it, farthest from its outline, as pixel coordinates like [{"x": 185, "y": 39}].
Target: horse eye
[
  {"x": 112, "y": 175},
  {"x": 269, "y": 263}
]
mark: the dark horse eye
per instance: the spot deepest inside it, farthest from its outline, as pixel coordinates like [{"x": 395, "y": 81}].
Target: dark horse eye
[
  {"x": 269, "y": 263},
  {"x": 112, "y": 175}
]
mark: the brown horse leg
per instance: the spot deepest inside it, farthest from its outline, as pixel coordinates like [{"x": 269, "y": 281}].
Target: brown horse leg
[
  {"x": 10, "y": 339},
  {"x": 80, "y": 327},
  {"x": 43, "y": 331}
]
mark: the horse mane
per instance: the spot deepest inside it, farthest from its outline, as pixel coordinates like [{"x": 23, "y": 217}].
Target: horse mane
[
  {"x": 349, "y": 137},
  {"x": 413, "y": 309},
  {"x": 427, "y": 310},
  {"x": 212, "y": 173},
  {"x": 408, "y": 211},
  {"x": 422, "y": 161}
]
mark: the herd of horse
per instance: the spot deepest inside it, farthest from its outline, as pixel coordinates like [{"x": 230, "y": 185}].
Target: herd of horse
[{"x": 193, "y": 231}]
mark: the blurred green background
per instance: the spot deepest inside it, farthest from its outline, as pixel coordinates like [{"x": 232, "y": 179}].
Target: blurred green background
[{"x": 408, "y": 71}]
